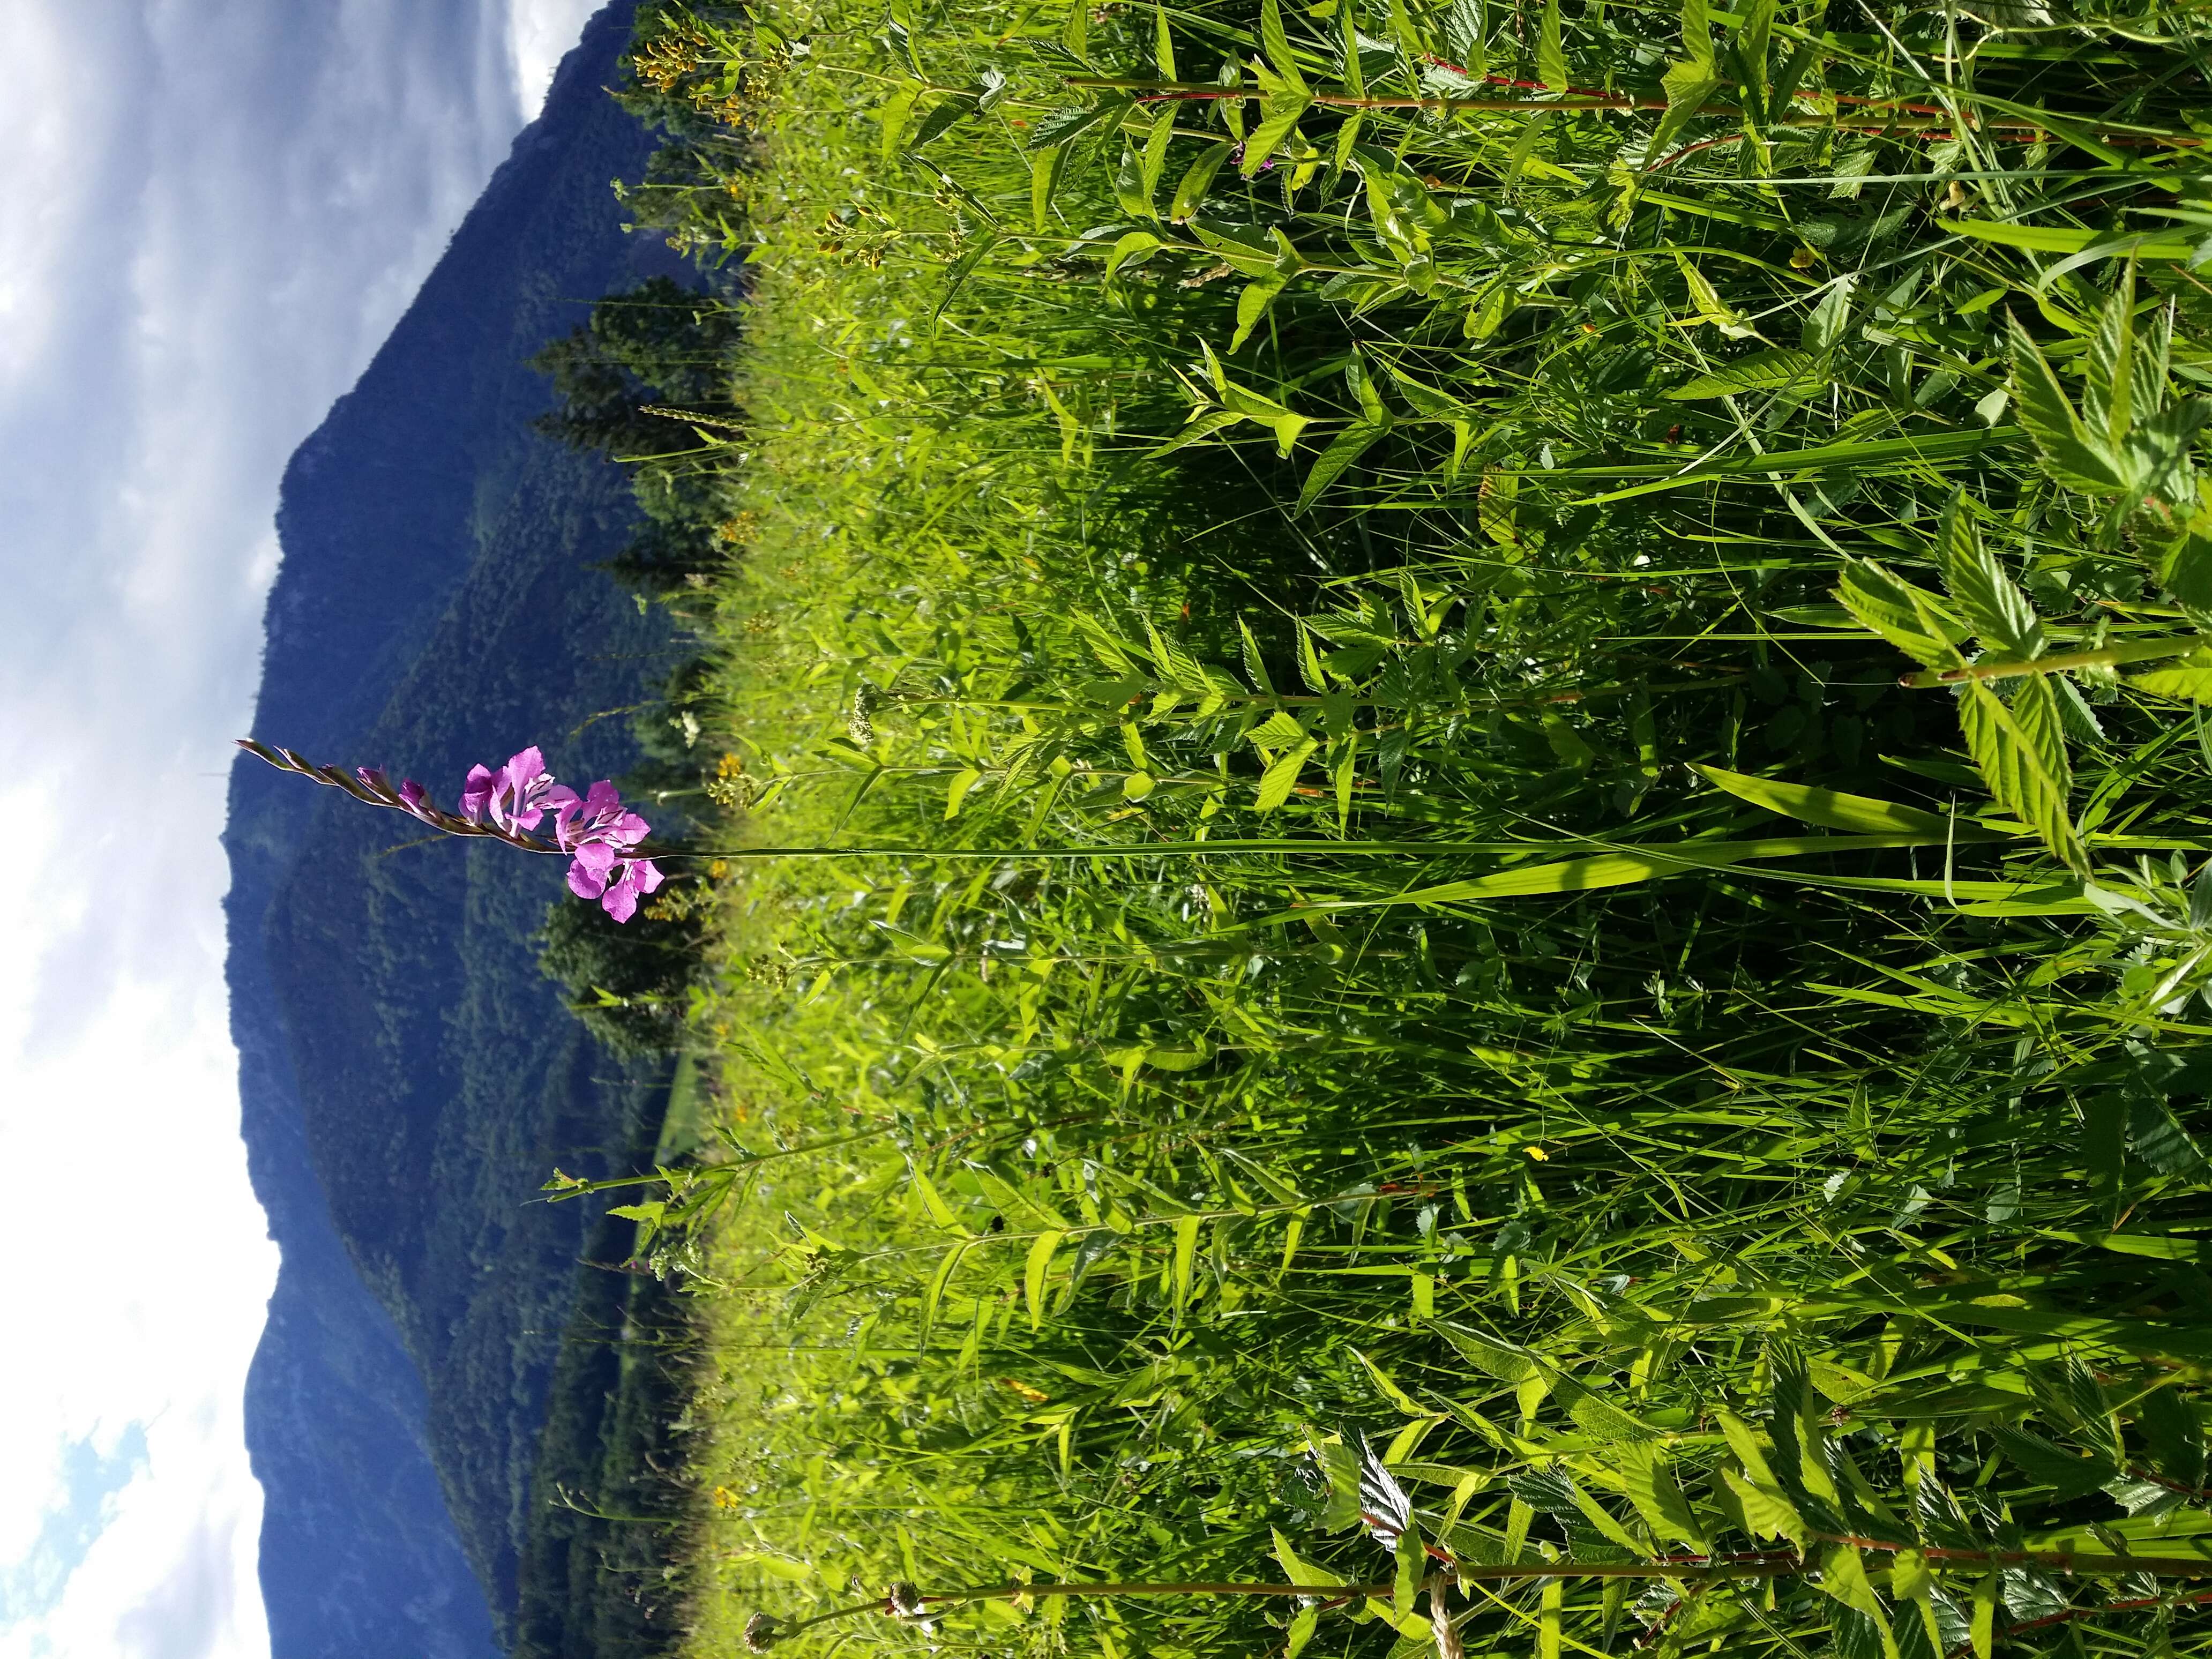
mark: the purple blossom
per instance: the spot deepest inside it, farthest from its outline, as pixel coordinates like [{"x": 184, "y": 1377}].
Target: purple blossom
[
  {"x": 598, "y": 831},
  {"x": 516, "y": 796},
  {"x": 600, "y": 873},
  {"x": 598, "y": 817}
]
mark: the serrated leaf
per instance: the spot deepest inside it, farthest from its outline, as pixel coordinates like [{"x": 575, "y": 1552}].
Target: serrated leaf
[
  {"x": 2108, "y": 388},
  {"x": 1280, "y": 113},
  {"x": 1909, "y": 617},
  {"x": 1760, "y": 371},
  {"x": 2046, "y": 1465},
  {"x": 1280, "y": 778},
  {"x": 2020, "y": 752},
  {"x": 1998, "y": 610},
  {"x": 1768, "y": 1514},
  {"x": 1648, "y": 1475},
  {"x": 2069, "y": 451},
  {"x": 1277, "y": 46},
  {"x": 2170, "y": 1426}
]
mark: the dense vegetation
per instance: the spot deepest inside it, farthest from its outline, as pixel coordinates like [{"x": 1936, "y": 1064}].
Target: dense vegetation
[{"x": 1338, "y": 581}]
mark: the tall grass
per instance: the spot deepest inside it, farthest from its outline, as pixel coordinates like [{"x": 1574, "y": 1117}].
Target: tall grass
[{"x": 1391, "y": 908}]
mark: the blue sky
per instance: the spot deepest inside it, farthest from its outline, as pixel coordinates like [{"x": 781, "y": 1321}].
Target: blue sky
[{"x": 211, "y": 211}]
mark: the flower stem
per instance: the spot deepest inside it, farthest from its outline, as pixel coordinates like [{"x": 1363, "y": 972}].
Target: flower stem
[{"x": 2176, "y": 645}]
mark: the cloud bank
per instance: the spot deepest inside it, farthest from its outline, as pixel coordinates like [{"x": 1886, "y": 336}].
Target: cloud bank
[{"x": 210, "y": 217}]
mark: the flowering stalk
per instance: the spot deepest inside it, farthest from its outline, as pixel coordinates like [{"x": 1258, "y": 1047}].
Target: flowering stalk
[{"x": 603, "y": 839}]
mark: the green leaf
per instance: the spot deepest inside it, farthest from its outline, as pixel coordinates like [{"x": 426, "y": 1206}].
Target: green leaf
[
  {"x": 2021, "y": 751},
  {"x": 1252, "y": 305},
  {"x": 1191, "y": 192},
  {"x": 1164, "y": 57},
  {"x": 1130, "y": 244},
  {"x": 1832, "y": 809},
  {"x": 2170, "y": 1427},
  {"x": 1909, "y": 617},
  {"x": 1760, "y": 371},
  {"x": 1689, "y": 88},
  {"x": 2069, "y": 451},
  {"x": 2108, "y": 387},
  {"x": 1277, "y": 46},
  {"x": 1698, "y": 32},
  {"x": 1551, "y": 57},
  {"x": 1297, "y": 1569},
  {"x": 1658, "y": 1496},
  {"x": 2185, "y": 568},
  {"x": 1347, "y": 446},
  {"x": 1186, "y": 1253},
  {"x": 2183, "y": 684},
  {"x": 1065, "y": 126},
  {"x": 1769, "y": 1513},
  {"x": 1843, "y": 1575},
  {"x": 1280, "y": 113},
  {"x": 1303, "y": 1624},
  {"x": 1033, "y": 1275},
  {"x": 2047, "y": 1465},
  {"x": 1278, "y": 781},
  {"x": 1999, "y": 611}
]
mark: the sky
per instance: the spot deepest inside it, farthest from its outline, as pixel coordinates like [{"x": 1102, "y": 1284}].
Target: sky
[{"x": 211, "y": 212}]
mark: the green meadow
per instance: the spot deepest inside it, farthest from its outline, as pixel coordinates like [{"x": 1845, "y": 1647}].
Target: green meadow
[{"x": 1461, "y": 858}]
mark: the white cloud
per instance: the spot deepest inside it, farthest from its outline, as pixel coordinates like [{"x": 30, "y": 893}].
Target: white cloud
[
  {"x": 210, "y": 217},
  {"x": 539, "y": 34}
]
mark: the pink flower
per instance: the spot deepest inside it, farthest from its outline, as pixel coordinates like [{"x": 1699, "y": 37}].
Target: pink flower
[
  {"x": 515, "y": 796},
  {"x": 597, "y": 817},
  {"x": 599, "y": 872},
  {"x": 599, "y": 831}
]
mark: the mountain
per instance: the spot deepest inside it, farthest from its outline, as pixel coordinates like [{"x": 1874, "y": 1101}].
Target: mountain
[{"x": 409, "y": 1078}]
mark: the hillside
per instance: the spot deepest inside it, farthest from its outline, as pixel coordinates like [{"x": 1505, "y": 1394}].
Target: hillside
[{"x": 408, "y": 1077}]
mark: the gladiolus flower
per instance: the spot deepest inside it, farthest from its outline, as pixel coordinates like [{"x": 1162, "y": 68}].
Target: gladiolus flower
[{"x": 516, "y": 796}]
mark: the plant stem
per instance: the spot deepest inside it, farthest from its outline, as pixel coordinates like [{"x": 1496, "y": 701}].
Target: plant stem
[{"x": 2175, "y": 644}]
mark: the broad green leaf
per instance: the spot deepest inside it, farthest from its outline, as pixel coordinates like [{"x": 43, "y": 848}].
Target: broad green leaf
[
  {"x": 1303, "y": 1624},
  {"x": 2070, "y": 453},
  {"x": 2174, "y": 1433},
  {"x": 1984, "y": 1625},
  {"x": 1191, "y": 192},
  {"x": 1770, "y": 1513},
  {"x": 2021, "y": 751},
  {"x": 1130, "y": 245},
  {"x": 1658, "y": 1497},
  {"x": 1164, "y": 57},
  {"x": 1698, "y": 34},
  {"x": 2185, "y": 684},
  {"x": 1280, "y": 113},
  {"x": 1909, "y": 617},
  {"x": 1153, "y": 160},
  {"x": 1832, "y": 809},
  {"x": 1749, "y": 1448},
  {"x": 1604, "y": 1520},
  {"x": 1296, "y": 1568},
  {"x": 956, "y": 792},
  {"x": 1347, "y": 446},
  {"x": 1046, "y": 166},
  {"x": 1760, "y": 371},
  {"x": 1391, "y": 1392},
  {"x": 1186, "y": 1253},
  {"x": 1277, "y": 46},
  {"x": 1033, "y": 1274},
  {"x": 2185, "y": 568},
  {"x": 1999, "y": 611},
  {"x": 1252, "y": 305},
  {"x": 1689, "y": 88},
  {"x": 1551, "y": 57},
  {"x": 1278, "y": 781},
  {"x": 1500, "y": 1359},
  {"x": 2108, "y": 388},
  {"x": 933, "y": 1202}
]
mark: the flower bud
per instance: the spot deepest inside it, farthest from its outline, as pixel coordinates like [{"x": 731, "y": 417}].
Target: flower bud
[{"x": 761, "y": 1633}]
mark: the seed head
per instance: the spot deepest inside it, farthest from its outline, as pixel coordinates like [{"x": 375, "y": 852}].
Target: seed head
[
  {"x": 761, "y": 1633},
  {"x": 905, "y": 1601}
]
